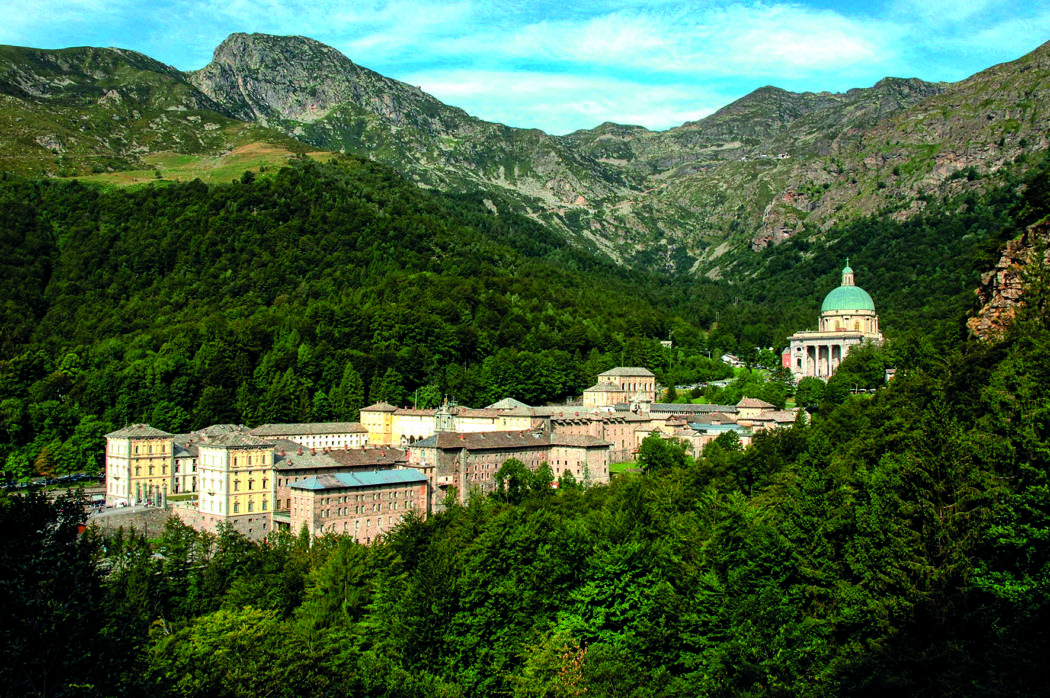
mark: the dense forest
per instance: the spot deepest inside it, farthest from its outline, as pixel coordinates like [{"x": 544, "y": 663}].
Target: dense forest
[
  {"x": 305, "y": 292},
  {"x": 893, "y": 545}
]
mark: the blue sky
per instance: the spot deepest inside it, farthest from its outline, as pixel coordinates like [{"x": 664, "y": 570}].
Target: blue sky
[{"x": 561, "y": 66}]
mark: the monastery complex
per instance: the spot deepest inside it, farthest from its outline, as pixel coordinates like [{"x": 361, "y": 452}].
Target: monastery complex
[{"x": 361, "y": 479}]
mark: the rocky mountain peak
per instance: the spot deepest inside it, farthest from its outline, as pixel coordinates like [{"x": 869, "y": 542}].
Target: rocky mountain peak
[{"x": 259, "y": 51}]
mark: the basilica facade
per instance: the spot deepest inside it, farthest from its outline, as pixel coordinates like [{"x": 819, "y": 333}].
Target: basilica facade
[{"x": 847, "y": 319}]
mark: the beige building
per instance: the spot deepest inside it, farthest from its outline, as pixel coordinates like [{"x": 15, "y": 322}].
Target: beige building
[
  {"x": 235, "y": 483},
  {"x": 139, "y": 465},
  {"x": 324, "y": 435},
  {"x": 396, "y": 426},
  {"x": 624, "y": 384},
  {"x": 847, "y": 320}
]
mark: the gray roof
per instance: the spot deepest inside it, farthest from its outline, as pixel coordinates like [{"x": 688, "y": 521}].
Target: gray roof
[
  {"x": 309, "y": 428},
  {"x": 138, "y": 431},
  {"x": 218, "y": 430},
  {"x": 633, "y": 371},
  {"x": 507, "y": 403},
  {"x": 184, "y": 447},
  {"x": 338, "y": 481},
  {"x": 380, "y": 407},
  {"x": 674, "y": 408},
  {"x": 236, "y": 440},
  {"x": 720, "y": 428},
  {"x": 604, "y": 387},
  {"x": 292, "y": 456},
  {"x": 578, "y": 440},
  {"x": 754, "y": 403},
  {"x": 779, "y": 416}
]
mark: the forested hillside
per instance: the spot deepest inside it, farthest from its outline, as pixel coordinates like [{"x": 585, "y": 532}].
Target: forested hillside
[
  {"x": 302, "y": 294},
  {"x": 306, "y": 292},
  {"x": 893, "y": 546}
]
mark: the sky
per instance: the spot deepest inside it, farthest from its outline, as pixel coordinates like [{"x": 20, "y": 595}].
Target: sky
[{"x": 561, "y": 66}]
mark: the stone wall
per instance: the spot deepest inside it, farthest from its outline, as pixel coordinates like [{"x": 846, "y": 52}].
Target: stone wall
[
  {"x": 147, "y": 520},
  {"x": 253, "y": 526}
]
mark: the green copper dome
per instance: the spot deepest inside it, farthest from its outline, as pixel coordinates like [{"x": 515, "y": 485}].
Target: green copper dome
[{"x": 847, "y": 298}]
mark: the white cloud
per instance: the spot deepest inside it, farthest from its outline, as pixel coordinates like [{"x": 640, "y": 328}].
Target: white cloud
[
  {"x": 563, "y": 103},
  {"x": 54, "y": 18},
  {"x": 720, "y": 40}
]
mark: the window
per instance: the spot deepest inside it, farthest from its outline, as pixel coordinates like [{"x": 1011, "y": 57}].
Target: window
[
  {"x": 236, "y": 485},
  {"x": 263, "y": 507},
  {"x": 236, "y": 507},
  {"x": 251, "y": 505},
  {"x": 138, "y": 470}
]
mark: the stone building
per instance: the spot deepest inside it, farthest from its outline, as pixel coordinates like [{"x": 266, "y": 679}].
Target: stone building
[
  {"x": 622, "y": 384},
  {"x": 359, "y": 504},
  {"x": 847, "y": 319},
  {"x": 469, "y": 462},
  {"x": 293, "y": 463}
]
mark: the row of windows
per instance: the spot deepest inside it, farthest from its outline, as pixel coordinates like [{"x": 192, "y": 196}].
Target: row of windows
[
  {"x": 163, "y": 448},
  {"x": 375, "y": 496},
  {"x": 361, "y": 509},
  {"x": 251, "y": 506},
  {"x": 258, "y": 460},
  {"x": 138, "y": 470},
  {"x": 251, "y": 484}
]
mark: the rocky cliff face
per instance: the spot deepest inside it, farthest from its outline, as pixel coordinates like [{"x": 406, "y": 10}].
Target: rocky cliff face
[
  {"x": 1001, "y": 289},
  {"x": 261, "y": 77}
]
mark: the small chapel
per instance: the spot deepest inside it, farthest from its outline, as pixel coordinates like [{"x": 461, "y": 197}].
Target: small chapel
[{"x": 847, "y": 319}]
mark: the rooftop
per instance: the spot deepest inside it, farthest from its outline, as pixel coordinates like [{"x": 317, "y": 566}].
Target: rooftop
[
  {"x": 309, "y": 428},
  {"x": 633, "y": 371},
  {"x": 676, "y": 408},
  {"x": 339, "y": 481},
  {"x": 754, "y": 403},
  {"x": 507, "y": 403},
  {"x": 380, "y": 407},
  {"x": 138, "y": 431},
  {"x": 604, "y": 387},
  {"x": 236, "y": 440}
]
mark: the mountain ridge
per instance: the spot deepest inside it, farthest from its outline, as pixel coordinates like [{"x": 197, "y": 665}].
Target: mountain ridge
[{"x": 756, "y": 172}]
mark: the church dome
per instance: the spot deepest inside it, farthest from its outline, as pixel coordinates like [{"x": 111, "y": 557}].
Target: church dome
[{"x": 847, "y": 296}]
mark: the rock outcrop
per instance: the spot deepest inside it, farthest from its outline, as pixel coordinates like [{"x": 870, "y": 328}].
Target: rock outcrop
[{"x": 1001, "y": 289}]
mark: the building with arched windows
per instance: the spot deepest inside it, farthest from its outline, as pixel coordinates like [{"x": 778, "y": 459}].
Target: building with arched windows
[{"x": 847, "y": 319}]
